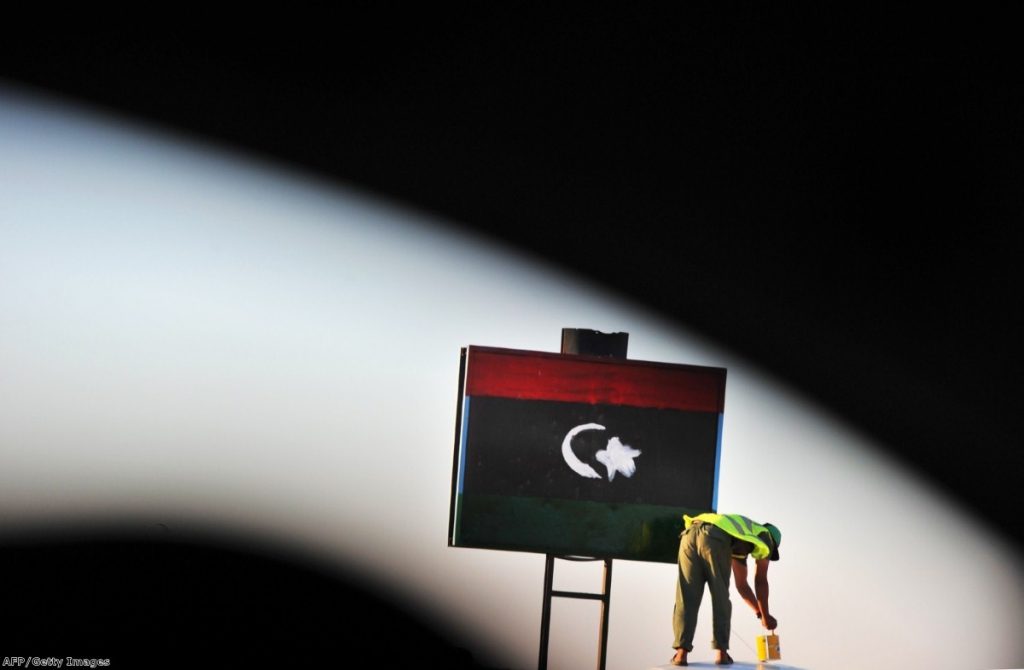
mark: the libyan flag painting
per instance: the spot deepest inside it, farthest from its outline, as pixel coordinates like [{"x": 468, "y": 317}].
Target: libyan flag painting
[{"x": 581, "y": 455}]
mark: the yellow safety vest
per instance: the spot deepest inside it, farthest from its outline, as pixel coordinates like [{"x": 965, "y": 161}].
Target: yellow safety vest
[{"x": 739, "y": 527}]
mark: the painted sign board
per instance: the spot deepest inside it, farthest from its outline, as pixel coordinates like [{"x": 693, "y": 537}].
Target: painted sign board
[{"x": 581, "y": 455}]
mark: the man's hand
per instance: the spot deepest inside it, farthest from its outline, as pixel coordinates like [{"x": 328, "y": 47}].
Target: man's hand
[{"x": 769, "y": 622}]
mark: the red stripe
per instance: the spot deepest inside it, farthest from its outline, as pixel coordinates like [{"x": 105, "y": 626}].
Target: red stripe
[{"x": 533, "y": 375}]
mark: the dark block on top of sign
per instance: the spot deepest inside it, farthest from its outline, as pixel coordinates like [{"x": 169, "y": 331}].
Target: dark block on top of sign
[{"x": 594, "y": 343}]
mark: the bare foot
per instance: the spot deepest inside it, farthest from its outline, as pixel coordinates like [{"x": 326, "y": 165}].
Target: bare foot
[
  {"x": 723, "y": 658},
  {"x": 680, "y": 657}
]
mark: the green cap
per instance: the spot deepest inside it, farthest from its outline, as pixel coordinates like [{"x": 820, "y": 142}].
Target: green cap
[{"x": 776, "y": 541}]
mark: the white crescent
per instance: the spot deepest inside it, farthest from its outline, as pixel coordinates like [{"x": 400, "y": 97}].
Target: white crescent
[{"x": 578, "y": 466}]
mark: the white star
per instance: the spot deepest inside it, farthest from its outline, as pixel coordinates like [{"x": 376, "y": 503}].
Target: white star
[{"x": 618, "y": 457}]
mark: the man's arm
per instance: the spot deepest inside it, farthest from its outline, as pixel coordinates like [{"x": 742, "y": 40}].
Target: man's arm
[
  {"x": 739, "y": 573},
  {"x": 756, "y": 598},
  {"x": 761, "y": 589}
]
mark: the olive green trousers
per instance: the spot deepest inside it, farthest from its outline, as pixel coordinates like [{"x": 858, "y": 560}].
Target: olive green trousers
[{"x": 705, "y": 557}]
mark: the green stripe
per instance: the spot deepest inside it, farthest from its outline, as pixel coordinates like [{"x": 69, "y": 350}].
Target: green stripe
[{"x": 570, "y": 527}]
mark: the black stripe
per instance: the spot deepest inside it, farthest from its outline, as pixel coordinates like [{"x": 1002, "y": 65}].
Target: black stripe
[{"x": 514, "y": 448}]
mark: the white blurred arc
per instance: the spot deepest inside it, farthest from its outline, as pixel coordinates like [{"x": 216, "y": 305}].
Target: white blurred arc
[{"x": 578, "y": 466}]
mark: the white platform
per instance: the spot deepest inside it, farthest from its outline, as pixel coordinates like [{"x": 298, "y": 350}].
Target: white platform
[{"x": 738, "y": 665}]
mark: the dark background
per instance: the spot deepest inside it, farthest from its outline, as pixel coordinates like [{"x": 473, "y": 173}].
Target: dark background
[{"x": 836, "y": 195}]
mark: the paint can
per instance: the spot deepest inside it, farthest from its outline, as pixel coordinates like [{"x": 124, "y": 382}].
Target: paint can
[{"x": 768, "y": 648}]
